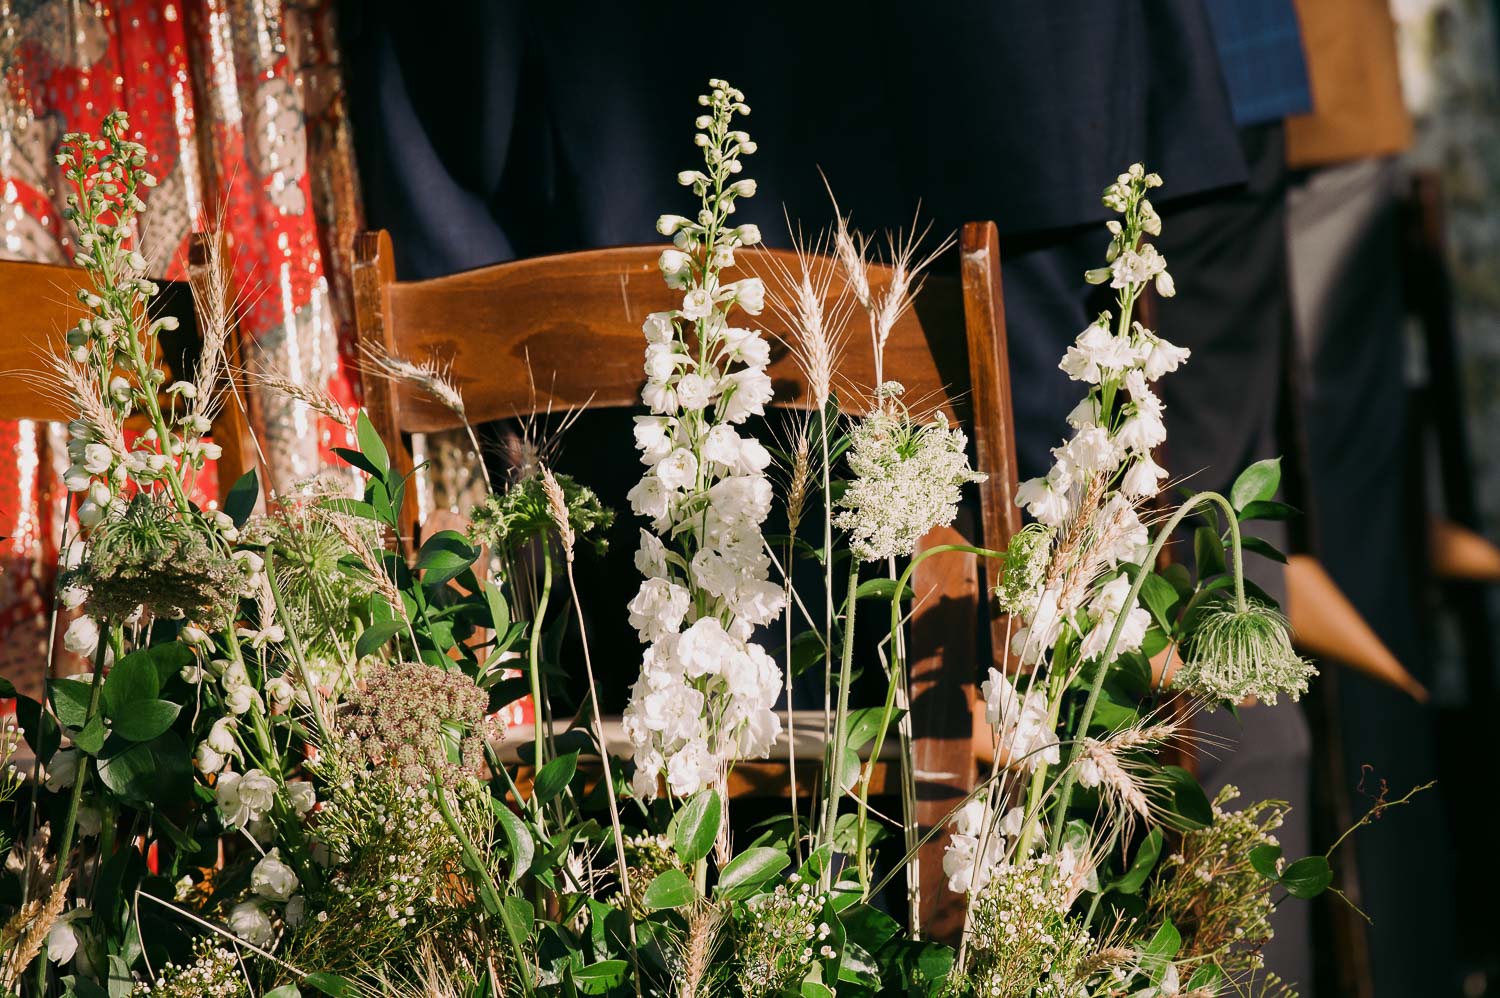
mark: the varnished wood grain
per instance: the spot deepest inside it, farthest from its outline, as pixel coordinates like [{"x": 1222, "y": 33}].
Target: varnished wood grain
[{"x": 39, "y": 304}]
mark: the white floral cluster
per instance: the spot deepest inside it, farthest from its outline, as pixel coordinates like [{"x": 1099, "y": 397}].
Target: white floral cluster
[
  {"x": 908, "y": 479},
  {"x": 706, "y": 691},
  {"x": 961, "y": 861},
  {"x": 1028, "y": 737},
  {"x": 1105, "y": 467}
]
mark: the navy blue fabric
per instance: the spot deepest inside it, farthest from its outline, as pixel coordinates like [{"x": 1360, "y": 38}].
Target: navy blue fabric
[
  {"x": 1260, "y": 50},
  {"x": 487, "y": 131}
]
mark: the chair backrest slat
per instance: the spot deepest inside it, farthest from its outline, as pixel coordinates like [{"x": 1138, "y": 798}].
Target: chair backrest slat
[{"x": 39, "y": 304}]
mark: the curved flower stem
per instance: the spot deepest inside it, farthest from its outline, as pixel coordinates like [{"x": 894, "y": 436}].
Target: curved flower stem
[
  {"x": 1070, "y": 772},
  {"x": 534, "y": 657},
  {"x": 898, "y": 663}
]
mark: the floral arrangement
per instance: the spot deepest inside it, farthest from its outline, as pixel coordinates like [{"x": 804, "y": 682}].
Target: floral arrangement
[{"x": 282, "y": 775}]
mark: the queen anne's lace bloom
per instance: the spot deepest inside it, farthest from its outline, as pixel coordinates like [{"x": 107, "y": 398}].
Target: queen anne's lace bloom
[
  {"x": 705, "y": 694},
  {"x": 908, "y": 477}
]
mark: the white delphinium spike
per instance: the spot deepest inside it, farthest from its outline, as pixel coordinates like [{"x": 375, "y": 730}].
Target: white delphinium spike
[{"x": 706, "y": 692}]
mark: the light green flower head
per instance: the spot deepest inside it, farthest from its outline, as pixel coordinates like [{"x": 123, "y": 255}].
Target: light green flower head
[{"x": 1234, "y": 654}]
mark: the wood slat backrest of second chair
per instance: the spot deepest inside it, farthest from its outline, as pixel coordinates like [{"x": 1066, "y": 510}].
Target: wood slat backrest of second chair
[
  {"x": 561, "y": 332},
  {"x": 39, "y": 304}
]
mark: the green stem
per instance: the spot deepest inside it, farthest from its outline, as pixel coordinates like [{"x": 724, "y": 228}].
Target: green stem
[
  {"x": 1070, "y": 773},
  {"x": 897, "y": 666},
  {"x": 534, "y": 660},
  {"x": 113, "y": 640},
  {"x": 835, "y": 753},
  {"x": 75, "y": 798},
  {"x": 488, "y": 892}
]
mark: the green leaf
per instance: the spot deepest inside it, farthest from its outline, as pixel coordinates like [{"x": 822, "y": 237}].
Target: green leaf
[
  {"x": 1263, "y": 510},
  {"x": 285, "y": 991},
  {"x": 864, "y": 724},
  {"x": 553, "y": 777},
  {"x": 375, "y": 636},
  {"x": 518, "y": 836},
  {"x": 358, "y": 460},
  {"x": 1263, "y": 859},
  {"x": 697, "y": 825},
  {"x": 1163, "y": 946},
  {"x": 882, "y": 589},
  {"x": 1208, "y": 550},
  {"x": 370, "y": 443},
  {"x": 1158, "y": 596},
  {"x": 597, "y": 978},
  {"x": 1189, "y": 802},
  {"x": 670, "y": 889},
  {"x": 132, "y": 681},
  {"x": 70, "y": 699},
  {"x": 91, "y": 738},
  {"x": 170, "y": 658},
  {"x": 806, "y": 651},
  {"x": 1140, "y": 868},
  {"x": 443, "y": 556},
  {"x": 749, "y": 870},
  {"x": 1256, "y": 483},
  {"x": 329, "y": 984},
  {"x": 1308, "y": 877},
  {"x": 816, "y": 989},
  {"x": 1262, "y": 547},
  {"x": 40, "y": 727},
  {"x": 144, "y": 721},
  {"x": 518, "y": 916},
  {"x": 239, "y": 501},
  {"x": 499, "y": 609},
  {"x": 155, "y": 772}
]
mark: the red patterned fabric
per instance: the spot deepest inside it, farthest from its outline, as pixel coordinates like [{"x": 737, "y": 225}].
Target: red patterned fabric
[{"x": 239, "y": 105}]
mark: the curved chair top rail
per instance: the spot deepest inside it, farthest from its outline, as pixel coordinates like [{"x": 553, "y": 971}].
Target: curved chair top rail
[
  {"x": 39, "y": 304},
  {"x": 557, "y": 332}
]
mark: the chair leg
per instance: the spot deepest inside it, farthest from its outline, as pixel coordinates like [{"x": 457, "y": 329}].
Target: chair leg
[{"x": 943, "y": 657}]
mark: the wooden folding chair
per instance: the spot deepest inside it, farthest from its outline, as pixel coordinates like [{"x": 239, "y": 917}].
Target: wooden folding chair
[
  {"x": 40, "y": 304},
  {"x": 575, "y": 320}
]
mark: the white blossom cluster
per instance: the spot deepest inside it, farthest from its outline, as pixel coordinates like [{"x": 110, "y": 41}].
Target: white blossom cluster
[
  {"x": 961, "y": 862},
  {"x": 907, "y": 479},
  {"x": 706, "y": 691},
  {"x": 1028, "y": 736},
  {"x": 1105, "y": 467}
]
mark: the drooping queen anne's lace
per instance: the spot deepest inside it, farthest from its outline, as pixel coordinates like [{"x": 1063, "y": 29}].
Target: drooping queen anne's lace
[{"x": 706, "y": 691}]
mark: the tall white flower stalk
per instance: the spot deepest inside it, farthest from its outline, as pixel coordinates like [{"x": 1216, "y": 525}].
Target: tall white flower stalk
[
  {"x": 1064, "y": 580},
  {"x": 706, "y": 692}
]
